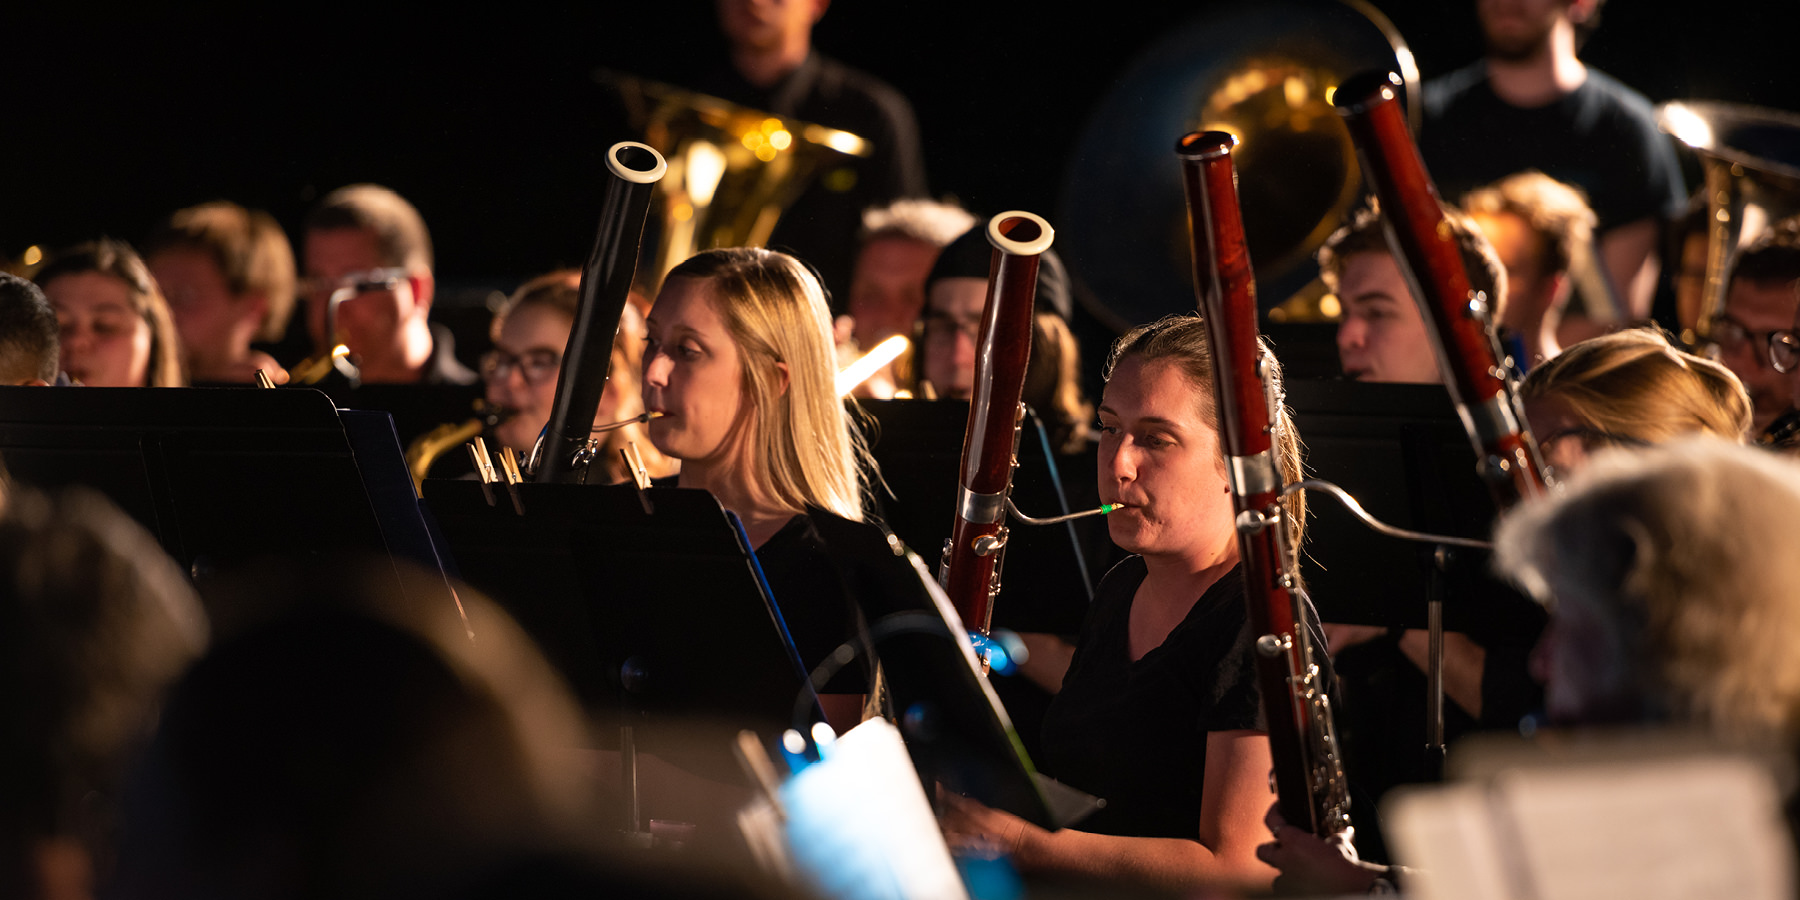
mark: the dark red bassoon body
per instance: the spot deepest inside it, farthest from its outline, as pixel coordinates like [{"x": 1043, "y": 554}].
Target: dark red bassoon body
[
  {"x": 1478, "y": 375},
  {"x": 970, "y": 572},
  {"x": 1309, "y": 776}
]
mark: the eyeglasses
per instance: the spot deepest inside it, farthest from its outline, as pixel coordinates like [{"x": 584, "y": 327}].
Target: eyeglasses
[
  {"x": 535, "y": 366},
  {"x": 1730, "y": 334},
  {"x": 1784, "y": 351},
  {"x": 940, "y": 327},
  {"x": 1590, "y": 438},
  {"x": 354, "y": 283}
]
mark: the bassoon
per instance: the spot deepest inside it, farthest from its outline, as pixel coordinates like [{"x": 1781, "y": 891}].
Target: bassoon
[
  {"x": 970, "y": 573},
  {"x": 565, "y": 451},
  {"x": 1309, "y": 774},
  {"x": 1425, "y": 247}
]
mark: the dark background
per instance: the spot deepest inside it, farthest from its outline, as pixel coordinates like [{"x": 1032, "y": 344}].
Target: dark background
[{"x": 490, "y": 121}]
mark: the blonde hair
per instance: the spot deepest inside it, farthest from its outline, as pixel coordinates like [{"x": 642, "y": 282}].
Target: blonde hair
[
  {"x": 1053, "y": 383},
  {"x": 1636, "y": 385},
  {"x": 249, "y": 249},
  {"x": 1557, "y": 213},
  {"x": 1182, "y": 341},
  {"x": 1688, "y": 551},
  {"x": 807, "y": 452}
]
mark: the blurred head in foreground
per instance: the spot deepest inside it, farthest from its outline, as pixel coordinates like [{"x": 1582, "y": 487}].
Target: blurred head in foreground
[
  {"x": 1670, "y": 575},
  {"x": 94, "y": 623},
  {"x": 355, "y": 737}
]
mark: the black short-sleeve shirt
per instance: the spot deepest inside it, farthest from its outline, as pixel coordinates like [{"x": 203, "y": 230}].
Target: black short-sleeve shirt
[
  {"x": 1134, "y": 732},
  {"x": 1601, "y": 137}
]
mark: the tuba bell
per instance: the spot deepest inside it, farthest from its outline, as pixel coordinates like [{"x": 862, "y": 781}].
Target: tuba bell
[
  {"x": 733, "y": 170},
  {"x": 1264, "y": 73},
  {"x": 1751, "y": 160}
]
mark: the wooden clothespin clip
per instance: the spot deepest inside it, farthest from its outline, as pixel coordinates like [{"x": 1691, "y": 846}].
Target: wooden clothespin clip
[
  {"x": 509, "y": 469},
  {"x": 484, "y": 467},
  {"x": 634, "y": 463}
]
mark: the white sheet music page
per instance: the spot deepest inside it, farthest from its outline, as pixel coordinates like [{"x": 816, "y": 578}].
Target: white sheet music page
[{"x": 1682, "y": 829}]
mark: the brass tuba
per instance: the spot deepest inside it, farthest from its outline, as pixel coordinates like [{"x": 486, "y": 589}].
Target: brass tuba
[
  {"x": 1264, "y": 73},
  {"x": 732, "y": 170},
  {"x": 1751, "y": 160}
]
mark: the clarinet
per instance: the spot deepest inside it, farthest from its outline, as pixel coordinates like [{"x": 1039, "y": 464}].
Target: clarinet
[
  {"x": 1479, "y": 376},
  {"x": 970, "y": 573},
  {"x": 1309, "y": 774},
  {"x": 565, "y": 450}
]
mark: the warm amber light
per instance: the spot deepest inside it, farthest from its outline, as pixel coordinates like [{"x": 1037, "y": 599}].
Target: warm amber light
[{"x": 33, "y": 255}]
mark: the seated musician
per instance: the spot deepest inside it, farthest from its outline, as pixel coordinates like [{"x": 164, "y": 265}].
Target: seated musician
[
  {"x": 739, "y": 368},
  {"x": 1668, "y": 574},
  {"x": 1760, "y": 303},
  {"x": 114, "y": 326},
  {"x": 1629, "y": 389},
  {"x": 27, "y": 334},
  {"x": 228, "y": 274},
  {"x": 900, "y": 243},
  {"x": 1537, "y": 225},
  {"x": 368, "y": 242},
  {"x": 1159, "y": 713},
  {"x": 956, "y": 295},
  {"x": 1382, "y": 335},
  {"x": 530, "y": 333}
]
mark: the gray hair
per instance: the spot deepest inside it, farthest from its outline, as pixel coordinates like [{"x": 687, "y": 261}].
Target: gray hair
[
  {"x": 1689, "y": 553},
  {"x": 930, "y": 221}
]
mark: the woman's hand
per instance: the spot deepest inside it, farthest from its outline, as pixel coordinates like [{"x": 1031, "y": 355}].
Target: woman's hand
[
  {"x": 968, "y": 823},
  {"x": 1311, "y": 865}
]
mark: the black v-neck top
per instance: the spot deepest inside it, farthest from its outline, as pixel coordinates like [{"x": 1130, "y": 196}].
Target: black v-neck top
[{"x": 1134, "y": 732}]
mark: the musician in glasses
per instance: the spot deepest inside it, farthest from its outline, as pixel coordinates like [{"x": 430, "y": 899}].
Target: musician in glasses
[
  {"x": 521, "y": 372},
  {"x": 1760, "y": 303},
  {"x": 1629, "y": 389},
  {"x": 368, "y": 278},
  {"x": 950, "y": 330}
]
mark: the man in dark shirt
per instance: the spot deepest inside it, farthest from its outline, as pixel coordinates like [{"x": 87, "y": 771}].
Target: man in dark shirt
[
  {"x": 1531, "y": 104},
  {"x": 774, "y": 68}
]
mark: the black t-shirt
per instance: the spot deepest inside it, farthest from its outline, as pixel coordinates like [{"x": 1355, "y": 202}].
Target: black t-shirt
[
  {"x": 1134, "y": 732},
  {"x": 1601, "y": 137},
  {"x": 823, "y": 224}
]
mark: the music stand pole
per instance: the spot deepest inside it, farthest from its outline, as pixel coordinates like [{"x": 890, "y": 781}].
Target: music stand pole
[{"x": 1434, "y": 668}]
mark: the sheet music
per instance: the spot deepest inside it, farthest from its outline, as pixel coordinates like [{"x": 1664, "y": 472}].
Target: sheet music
[{"x": 1684, "y": 828}]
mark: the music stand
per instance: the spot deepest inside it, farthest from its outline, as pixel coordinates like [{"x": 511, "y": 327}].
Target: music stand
[
  {"x": 1045, "y": 583},
  {"x": 1401, "y": 451},
  {"x": 957, "y": 732},
  {"x": 645, "y": 613},
  {"x": 223, "y": 476},
  {"x": 416, "y": 408}
]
